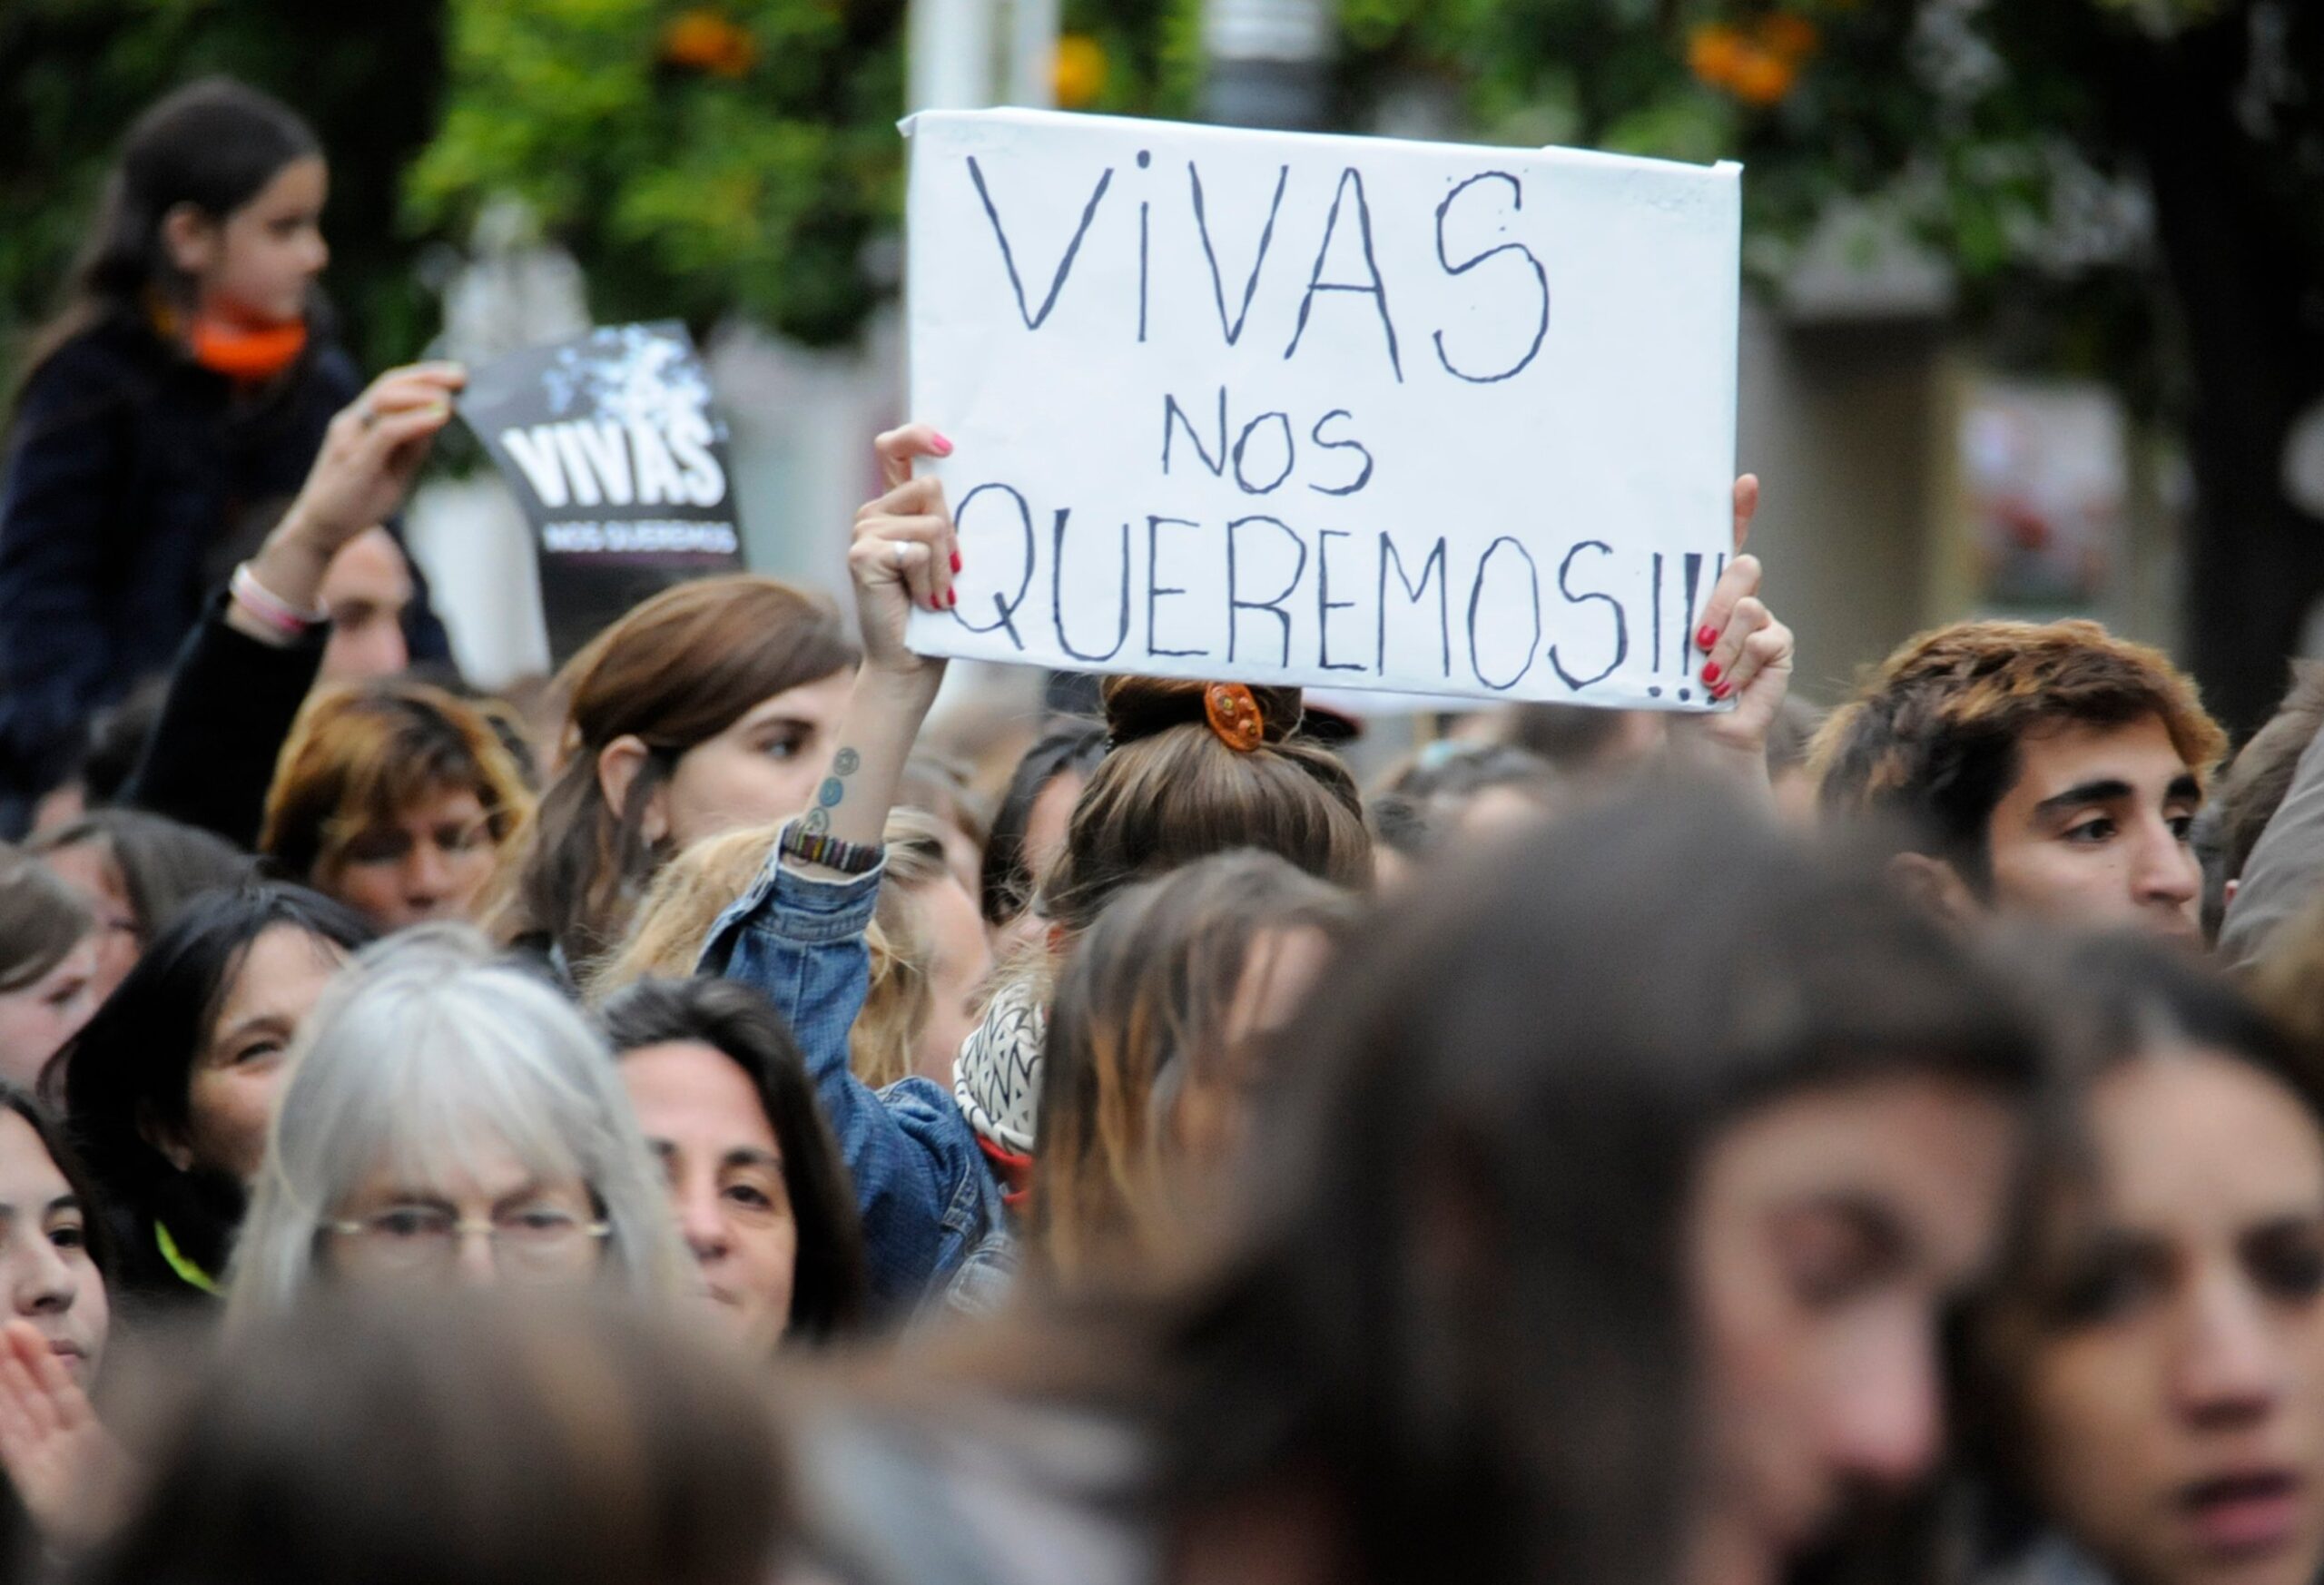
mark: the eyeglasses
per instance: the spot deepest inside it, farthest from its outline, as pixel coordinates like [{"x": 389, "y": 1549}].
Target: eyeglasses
[{"x": 533, "y": 1240}]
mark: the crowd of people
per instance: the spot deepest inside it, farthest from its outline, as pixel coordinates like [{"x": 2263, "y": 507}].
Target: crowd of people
[{"x": 682, "y": 1127}]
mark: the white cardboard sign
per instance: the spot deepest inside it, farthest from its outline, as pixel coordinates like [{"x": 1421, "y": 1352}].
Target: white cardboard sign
[{"x": 1348, "y": 413}]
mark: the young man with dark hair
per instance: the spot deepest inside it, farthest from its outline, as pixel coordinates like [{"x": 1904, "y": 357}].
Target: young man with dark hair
[{"x": 2044, "y": 769}]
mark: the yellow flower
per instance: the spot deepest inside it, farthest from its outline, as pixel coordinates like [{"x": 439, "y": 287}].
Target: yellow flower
[{"x": 1080, "y": 72}]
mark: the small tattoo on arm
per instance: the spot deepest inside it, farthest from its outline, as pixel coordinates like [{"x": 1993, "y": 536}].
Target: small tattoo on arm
[
  {"x": 846, "y": 762},
  {"x": 816, "y": 820},
  {"x": 832, "y": 791}
]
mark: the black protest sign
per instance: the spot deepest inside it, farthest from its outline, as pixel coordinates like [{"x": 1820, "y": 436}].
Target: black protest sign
[{"x": 617, "y": 453}]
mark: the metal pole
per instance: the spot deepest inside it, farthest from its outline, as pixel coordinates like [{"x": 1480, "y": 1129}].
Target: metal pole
[
  {"x": 950, "y": 63},
  {"x": 1267, "y": 60},
  {"x": 1032, "y": 54}
]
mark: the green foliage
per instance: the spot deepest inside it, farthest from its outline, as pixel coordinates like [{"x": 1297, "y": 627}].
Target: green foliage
[
  {"x": 1976, "y": 126},
  {"x": 768, "y": 187},
  {"x": 754, "y": 183}
]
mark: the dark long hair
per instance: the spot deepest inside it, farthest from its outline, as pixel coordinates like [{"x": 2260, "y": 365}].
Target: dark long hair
[
  {"x": 2114, "y": 1000},
  {"x": 1456, "y": 1303},
  {"x": 20, "y": 1540},
  {"x": 103, "y": 1252},
  {"x": 1005, "y": 886},
  {"x": 827, "y": 1282},
  {"x": 215, "y": 144},
  {"x": 127, "y": 1069}
]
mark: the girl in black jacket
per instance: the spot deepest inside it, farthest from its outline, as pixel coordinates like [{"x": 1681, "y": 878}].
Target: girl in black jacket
[{"x": 168, "y": 413}]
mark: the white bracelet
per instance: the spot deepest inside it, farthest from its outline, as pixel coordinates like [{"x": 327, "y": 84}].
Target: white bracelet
[{"x": 270, "y": 609}]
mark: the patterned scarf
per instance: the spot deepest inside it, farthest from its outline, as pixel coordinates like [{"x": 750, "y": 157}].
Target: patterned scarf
[{"x": 997, "y": 1079}]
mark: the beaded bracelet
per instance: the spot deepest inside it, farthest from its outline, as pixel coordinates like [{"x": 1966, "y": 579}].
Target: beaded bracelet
[
  {"x": 829, "y": 851},
  {"x": 269, "y": 608}
]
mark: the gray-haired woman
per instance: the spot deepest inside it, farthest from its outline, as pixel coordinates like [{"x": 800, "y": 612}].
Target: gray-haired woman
[{"x": 452, "y": 1117}]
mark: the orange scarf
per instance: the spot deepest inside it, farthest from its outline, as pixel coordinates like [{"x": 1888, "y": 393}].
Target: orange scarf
[
  {"x": 247, "y": 355},
  {"x": 238, "y": 352}
]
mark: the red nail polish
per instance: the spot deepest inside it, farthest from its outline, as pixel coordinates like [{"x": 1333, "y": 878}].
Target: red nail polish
[
  {"x": 1705, "y": 636},
  {"x": 1722, "y": 691},
  {"x": 1710, "y": 671},
  {"x": 956, "y": 561},
  {"x": 940, "y": 446},
  {"x": 953, "y": 599}
]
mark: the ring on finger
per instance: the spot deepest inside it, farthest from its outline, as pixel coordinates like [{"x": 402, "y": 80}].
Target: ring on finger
[
  {"x": 900, "y": 553},
  {"x": 366, "y": 414}
]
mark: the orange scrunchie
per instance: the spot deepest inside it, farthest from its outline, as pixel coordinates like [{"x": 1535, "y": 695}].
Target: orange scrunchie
[{"x": 1234, "y": 714}]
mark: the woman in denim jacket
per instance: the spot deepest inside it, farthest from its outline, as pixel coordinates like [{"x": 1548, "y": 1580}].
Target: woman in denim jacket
[
  {"x": 938, "y": 1171},
  {"x": 925, "y": 1176}
]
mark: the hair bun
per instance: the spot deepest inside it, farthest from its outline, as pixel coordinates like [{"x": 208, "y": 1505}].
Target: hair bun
[{"x": 1138, "y": 707}]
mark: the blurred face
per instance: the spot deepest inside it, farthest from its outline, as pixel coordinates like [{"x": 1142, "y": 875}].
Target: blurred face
[
  {"x": 431, "y": 862},
  {"x": 2172, "y": 1406},
  {"x": 1829, "y": 1230},
  {"x": 2095, "y": 834},
  {"x": 498, "y": 1221},
  {"x": 49, "y": 1278},
  {"x": 37, "y": 1017},
  {"x": 766, "y": 767},
  {"x": 959, "y": 957},
  {"x": 1282, "y": 968},
  {"x": 257, "y": 266},
  {"x": 1047, "y": 821},
  {"x": 237, "y": 1074},
  {"x": 724, "y": 1167},
  {"x": 87, "y": 869},
  {"x": 366, "y": 591}
]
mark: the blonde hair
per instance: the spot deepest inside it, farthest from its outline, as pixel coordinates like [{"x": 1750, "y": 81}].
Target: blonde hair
[
  {"x": 665, "y": 937},
  {"x": 897, "y": 1002},
  {"x": 688, "y": 894}
]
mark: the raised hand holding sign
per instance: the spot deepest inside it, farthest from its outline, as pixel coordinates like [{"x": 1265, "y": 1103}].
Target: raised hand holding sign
[{"x": 1336, "y": 412}]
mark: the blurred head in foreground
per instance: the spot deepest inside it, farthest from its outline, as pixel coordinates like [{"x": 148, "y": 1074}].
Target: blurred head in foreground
[
  {"x": 1600, "y": 1230},
  {"x": 463, "y": 1440}
]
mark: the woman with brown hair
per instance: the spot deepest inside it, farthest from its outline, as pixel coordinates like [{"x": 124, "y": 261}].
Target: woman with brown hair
[
  {"x": 398, "y": 800},
  {"x": 761, "y": 1198},
  {"x": 1158, "y": 1035},
  {"x": 2144, "y": 1376},
  {"x": 136, "y": 872},
  {"x": 48, "y": 966},
  {"x": 708, "y": 707}
]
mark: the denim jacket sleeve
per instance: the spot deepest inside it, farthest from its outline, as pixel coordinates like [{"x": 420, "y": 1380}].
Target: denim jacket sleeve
[{"x": 926, "y": 1195}]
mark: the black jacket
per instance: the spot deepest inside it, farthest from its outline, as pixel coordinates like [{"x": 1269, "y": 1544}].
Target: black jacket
[
  {"x": 135, "y": 480},
  {"x": 229, "y": 709}
]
